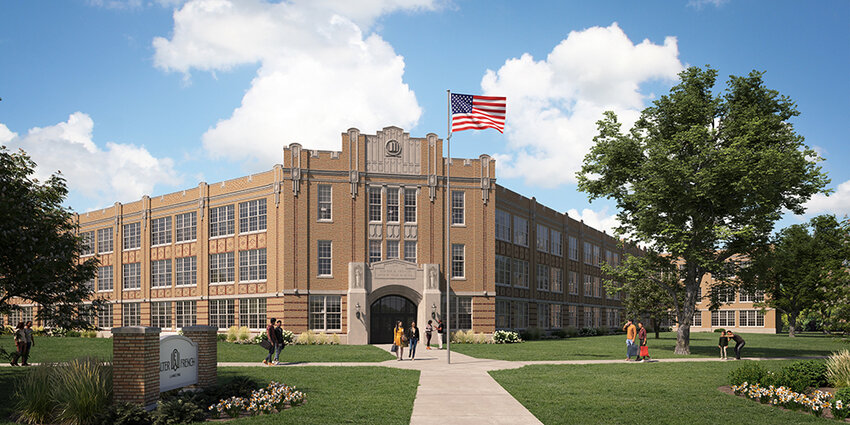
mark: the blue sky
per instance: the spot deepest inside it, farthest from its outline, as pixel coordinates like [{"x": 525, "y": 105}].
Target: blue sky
[{"x": 148, "y": 97}]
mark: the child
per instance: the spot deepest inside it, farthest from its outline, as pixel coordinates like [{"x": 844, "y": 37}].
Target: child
[{"x": 724, "y": 342}]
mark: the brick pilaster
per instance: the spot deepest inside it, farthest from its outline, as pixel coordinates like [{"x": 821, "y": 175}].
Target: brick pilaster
[
  {"x": 135, "y": 365},
  {"x": 205, "y": 337}
]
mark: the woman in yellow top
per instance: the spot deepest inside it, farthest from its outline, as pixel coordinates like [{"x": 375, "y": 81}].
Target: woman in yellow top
[{"x": 398, "y": 339}]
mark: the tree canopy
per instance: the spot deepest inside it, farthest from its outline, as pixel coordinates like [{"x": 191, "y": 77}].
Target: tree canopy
[{"x": 703, "y": 177}]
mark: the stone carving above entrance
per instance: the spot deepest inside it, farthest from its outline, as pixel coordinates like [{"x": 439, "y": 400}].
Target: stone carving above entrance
[{"x": 394, "y": 269}]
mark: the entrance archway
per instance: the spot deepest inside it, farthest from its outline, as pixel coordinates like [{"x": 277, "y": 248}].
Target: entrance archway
[{"x": 385, "y": 312}]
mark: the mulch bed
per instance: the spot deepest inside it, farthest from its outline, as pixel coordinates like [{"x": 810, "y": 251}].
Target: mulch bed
[{"x": 827, "y": 413}]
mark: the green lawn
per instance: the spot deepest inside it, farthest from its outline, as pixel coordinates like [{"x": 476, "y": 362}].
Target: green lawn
[
  {"x": 703, "y": 344},
  {"x": 656, "y": 393}
]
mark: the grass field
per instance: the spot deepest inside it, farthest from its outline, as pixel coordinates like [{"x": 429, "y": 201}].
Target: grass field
[
  {"x": 703, "y": 344},
  {"x": 639, "y": 393}
]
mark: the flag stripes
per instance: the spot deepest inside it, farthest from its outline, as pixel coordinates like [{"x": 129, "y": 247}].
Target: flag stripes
[{"x": 473, "y": 112}]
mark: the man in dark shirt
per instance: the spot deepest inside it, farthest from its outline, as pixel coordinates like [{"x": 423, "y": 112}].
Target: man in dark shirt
[
  {"x": 739, "y": 343},
  {"x": 273, "y": 340}
]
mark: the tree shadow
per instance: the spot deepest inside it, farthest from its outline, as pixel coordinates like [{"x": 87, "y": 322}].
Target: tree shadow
[{"x": 9, "y": 376}]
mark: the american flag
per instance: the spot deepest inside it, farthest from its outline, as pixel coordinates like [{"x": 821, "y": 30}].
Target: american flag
[{"x": 472, "y": 112}]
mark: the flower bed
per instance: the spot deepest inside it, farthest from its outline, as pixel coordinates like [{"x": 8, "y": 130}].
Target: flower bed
[
  {"x": 816, "y": 402},
  {"x": 265, "y": 401}
]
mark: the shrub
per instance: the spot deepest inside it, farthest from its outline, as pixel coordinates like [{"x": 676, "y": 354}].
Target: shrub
[
  {"x": 571, "y": 331},
  {"x": 81, "y": 389},
  {"x": 531, "y": 334},
  {"x": 720, "y": 330},
  {"x": 801, "y": 375},
  {"x": 89, "y": 334},
  {"x": 559, "y": 333},
  {"x": 602, "y": 330},
  {"x": 750, "y": 372},
  {"x": 259, "y": 338},
  {"x": 73, "y": 334},
  {"x": 587, "y": 331},
  {"x": 177, "y": 412},
  {"x": 838, "y": 369},
  {"x": 124, "y": 414},
  {"x": 244, "y": 334},
  {"x": 841, "y": 407},
  {"x": 33, "y": 403},
  {"x": 241, "y": 386},
  {"x": 506, "y": 337},
  {"x": 221, "y": 337},
  {"x": 233, "y": 334},
  {"x": 306, "y": 338}
]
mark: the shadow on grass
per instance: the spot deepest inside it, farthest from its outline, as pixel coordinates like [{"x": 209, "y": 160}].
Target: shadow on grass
[{"x": 9, "y": 377}]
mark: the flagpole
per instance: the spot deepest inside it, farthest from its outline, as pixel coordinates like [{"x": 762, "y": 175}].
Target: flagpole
[{"x": 448, "y": 271}]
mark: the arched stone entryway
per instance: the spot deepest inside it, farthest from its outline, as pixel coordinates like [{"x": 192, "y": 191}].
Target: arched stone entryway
[{"x": 385, "y": 312}]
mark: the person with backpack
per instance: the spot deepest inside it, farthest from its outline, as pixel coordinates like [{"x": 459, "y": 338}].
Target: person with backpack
[
  {"x": 278, "y": 334},
  {"x": 272, "y": 340}
]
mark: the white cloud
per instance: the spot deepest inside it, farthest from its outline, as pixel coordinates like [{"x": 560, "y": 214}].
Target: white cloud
[
  {"x": 837, "y": 203},
  {"x": 553, "y": 104},
  {"x": 599, "y": 220},
  {"x": 699, "y": 4},
  {"x": 319, "y": 74},
  {"x": 119, "y": 172}
]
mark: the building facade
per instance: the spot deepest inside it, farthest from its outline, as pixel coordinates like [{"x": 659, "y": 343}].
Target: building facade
[
  {"x": 739, "y": 311},
  {"x": 348, "y": 242}
]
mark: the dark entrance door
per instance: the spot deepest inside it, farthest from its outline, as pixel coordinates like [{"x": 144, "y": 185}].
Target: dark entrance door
[{"x": 386, "y": 312}]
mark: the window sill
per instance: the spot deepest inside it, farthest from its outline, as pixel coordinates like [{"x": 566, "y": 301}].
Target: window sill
[
  {"x": 86, "y": 255},
  {"x": 325, "y": 220},
  {"x": 458, "y": 224},
  {"x": 161, "y": 244},
  {"x": 105, "y": 253},
  {"x": 133, "y": 249},
  {"x": 221, "y": 283},
  {"x": 105, "y": 291},
  {"x": 458, "y": 277},
  {"x": 254, "y": 281},
  {"x": 186, "y": 286},
  {"x": 132, "y": 289},
  {"x": 253, "y": 232},
  {"x": 161, "y": 287},
  {"x": 188, "y": 241},
  {"x": 212, "y": 238},
  {"x": 324, "y": 276}
]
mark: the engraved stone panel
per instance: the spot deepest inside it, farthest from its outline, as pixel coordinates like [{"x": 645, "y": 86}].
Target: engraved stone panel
[
  {"x": 393, "y": 151},
  {"x": 375, "y": 231},
  {"x": 394, "y": 269},
  {"x": 411, "y": 231},
  {"x": 261, "y": 240},
  {"x": 393, "y": 231}
]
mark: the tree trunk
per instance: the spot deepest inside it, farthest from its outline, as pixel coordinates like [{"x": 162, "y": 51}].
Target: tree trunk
[
  {"x": 683, "y": 339},
  {"x": 792, "y": 324},
  {"x": 655, "y": 326}
]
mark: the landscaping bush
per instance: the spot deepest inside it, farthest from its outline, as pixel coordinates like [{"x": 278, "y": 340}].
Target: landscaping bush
[
  {"x": 838, "y": 369},
  {"x": 73, "y": 334},
  {"x": 506, "y": 337},
  {"x": 587, "y": 331},
  {"x": 801, "y": 375},
  {"x": 81, "y": 389},
  {"x": 221, "y": 337},
  {"x": 233, "y": 334},
  {"x": 124, "y": 414},
  {"x": 531, "y": 334},
  {"x": 602, "y": 330},
  {"x": 89, "y": 334},
  {"x": 244, "y": 334},
  {"x": 750, "y": 372},
  {"x": 841, "y": 405},
  {"x": 559, "y": 333},
  {"x": 312, "y": 338},
  {"x": 33, "y": 403},
  {"x": 241, "y": 386},
  {"x": 720, "y": 330},
  {"x": 178, "y": 412},
  {"x": 571, "y": 331}
]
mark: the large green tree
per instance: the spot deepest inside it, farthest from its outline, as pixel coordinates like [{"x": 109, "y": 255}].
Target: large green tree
[
  {"x": 703, "y": 176},
  {"x": 39, "y": 246},
  {"x": 803, "y": 267}
]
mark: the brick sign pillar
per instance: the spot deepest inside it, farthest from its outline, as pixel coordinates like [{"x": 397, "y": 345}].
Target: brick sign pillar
[
  {"x": 206, "y": 338},
  {"x": 135, "y": 365}
]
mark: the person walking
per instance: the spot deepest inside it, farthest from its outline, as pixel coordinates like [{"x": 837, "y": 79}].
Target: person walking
[
  {"x": 722, "y": 344},
  {"x": 428, "y": 329},
  {"x": 20, "y": 343},
  {"x": 30, "y": 342},
  {"x": 631, "y": 333},
  {"x": 739, "y": 343},
  {"x": 398, "y": 340},
  {"x": 273, "y": 340},
  {"x": 278, "y": 334},
  {"x": 413, "y": 337},
  {"x": 440, "y": 331},
  {"x": 643, "y": 354}
]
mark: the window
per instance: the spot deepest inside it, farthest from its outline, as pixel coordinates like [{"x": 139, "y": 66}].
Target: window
[
  {"x": 392, "y": 205},
  {"x": 252, "y": 265},
  {"x": 555, "y": 316},
  {"x": 222, "y": 268},
  {"x": 556, "y": 243},
  {"x": 87, "y": 240},
  {"x": 572, "y": 316},
  {"x": 104, "y": 278},
  {"x": 252, "y": 216},
  {"x": 461, "y": 313},
  {"x": 132, "y": 235},
  {"x": 557, "y": 280},
  {"x": 410, "y": 251},
  {"x": 133, "y": 276},
  {"x": 131, "y": 314},
  {"x": 572, "y": 282},
  {"x": 616, "y": 259},
  {"x": 542, "y": 238},
  {"x": 503, "y": 270},
  {"x": 325, "y": 313},
  {"x": 325, "y": 254},
  {"x": 161, "y": 231},
  {"x": 503, "y": 314},
  {"x": 588, "y": 286},
  {"x": 375, "y": 204},
  {"x": 543, "y": 316},
  {"x": 221, "y": 221},
  {"x": 609, "y": 258},
  {"x": 187, "y": 271},
  {"x": 457, "y": 260},
  {"x": 749, "y": 297},
  {"x": 573, "y": 242},
  {"x": 588, "y": 253},
  {"x": 410, "y": 205},
  {"x": 374, "y": 251},
  {"x": 457, "y": 207},
  {"x": 186, "y": 313},
  {"x": 697, "y": 320},
  {"x": 252, "y": 313},
  {"x": 160, "y": 273},
  {"x": 104, "y": 316},
  {"x": 521, "y": 310},
  {"x": 542, "y": 277},
  {"x": 104, "y": 240},
  {"x": 324, "y": 207},
  {"x": 392, "y": 249},
  {"x": 597, "y": 287},
  {"x": 751, "y": 318},
  {"x": 186, "y": 226},
  {"x": 725, "y": 295},
  {"x": 520, "y": 273},
  {"x": 503, "y": 226},
  {"x": 520, "y": 231},
  {"x": 722, "y": 318},
  {"x": 222, "y": 313},
  {"x": 595, "y": 255},
  {"x": 161, "y": 314},
  {"x": 588, "y": 317}
]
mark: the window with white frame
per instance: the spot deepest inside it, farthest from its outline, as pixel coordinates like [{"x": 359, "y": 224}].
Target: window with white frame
[
  {"x": 588, "y": 253},
  {"x": 542, "y": 277},
  {"x": 252, "y": 313},
  {"x": 557, "y": 279},
  {"x": 325, "y": 313},
  {"x": 573, "y": 247},
  {"x": 543, "y": 316},
  {"x": 105, "y": 278},
  {"x": 503, "y": 270},
  {"x": 325, "y": 258},
  {"x": 186, "y": 271},
  {"x": 726, "y": 295},
  {"x": 131, "y": 314},
  {"x": 722, "y": 318},
  {"x": 572, "y": 282},
  {"x": 458, "y": 260},
  {"x": 374, "y": 251},
  {"x": 222, "y": 313},
  {"x": 750, "y": 297},
  {"x": 252, "y": 265},
  {"x": 132, "y": 235},
  {"x": 410, "y": 205},
  {"x": 160, "y": 273},
  {"x": 104, "y": 240},
  {"x": 186, "y": 313},
  {"x": 252, "y": 216},
  {"x": 392, "y": 249},
  {"x": 520, "y": 320},
  {"x": 104, "y": 316},
  {"x": 324, "y": 203},
  {"x": 588, "y": 286},
  {"x": 374, "y": 204},
  {"x": 596, "y": 256},
  {"x": 572, "y": 316},
  {"x": 222, "y": 268},
  {"x": 186, "y": 226},
  {"x": 458, "y": 207},
  {"x": 503, "y": 314},
  {"x": 520, "y": 231},
  {"x": 133, "y": 276},
  {"x": 751, "y": 318},
  {"x": 27, "y": 314},
  {"x": 556, "y": 243},
  {"x": 503, "y": 225},
  {"x": 222, "y": 221},
  {"x": 410, "y": 251},
  {"x": 392, "y": 205},
  {"x": 161, "y": 231},
  {"x": 555, "y": 320},
  {"x": 87, "y": 243},
  {"x": 542, "y": 238},
  {"x": 161, "y": 314},
  {"x": 697, "y": 320}
]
